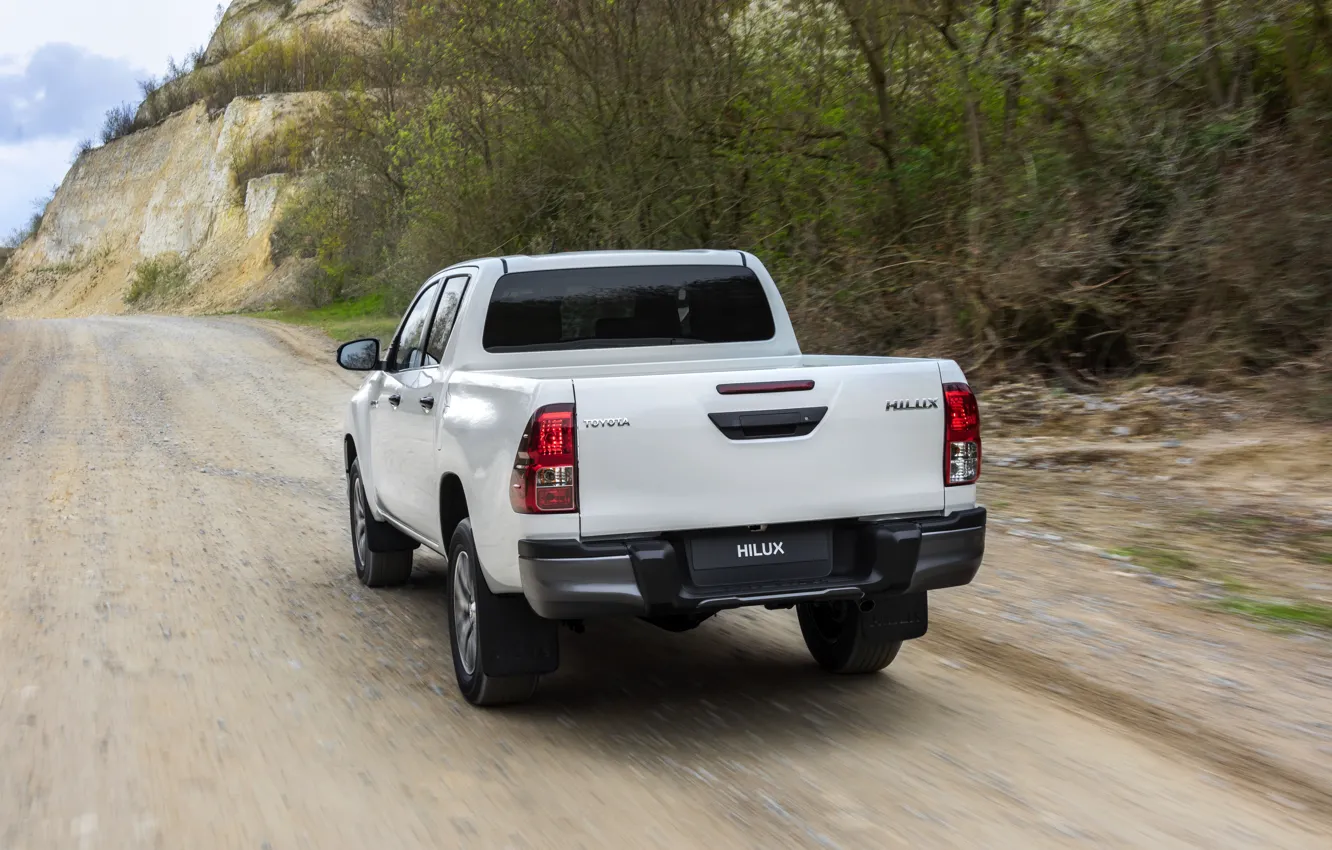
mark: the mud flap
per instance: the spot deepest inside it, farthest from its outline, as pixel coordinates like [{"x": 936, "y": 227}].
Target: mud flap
[
  {"x": 514, "y": 641},
  {"x": 896, "y": 617},
  {"x": 386, "y": 538}
]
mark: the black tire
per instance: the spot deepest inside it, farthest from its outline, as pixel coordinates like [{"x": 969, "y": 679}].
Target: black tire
[
  {"x": 468, "y": 595},
  {"x": 374, "y": 569},
  {"x": 836, "y": 637}
]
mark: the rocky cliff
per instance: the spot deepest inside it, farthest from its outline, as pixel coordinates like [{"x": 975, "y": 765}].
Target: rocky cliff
[
  {"x": 170, "y": 191},
  {"x": 246, "y": 21}
]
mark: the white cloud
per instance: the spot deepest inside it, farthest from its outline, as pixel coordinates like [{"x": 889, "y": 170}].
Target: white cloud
[
  {"x": 65, "y": 89},
  {"x": 142, "y": 32},
  {"x": 139, "y": 34}
]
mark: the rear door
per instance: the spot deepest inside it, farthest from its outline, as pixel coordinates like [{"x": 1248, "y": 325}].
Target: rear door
[
  {"x": 422, "y": 404},
  {"x": 673, "y": 452}
]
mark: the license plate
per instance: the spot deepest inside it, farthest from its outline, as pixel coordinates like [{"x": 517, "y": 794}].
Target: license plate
[{"x": 770, "y": 547}]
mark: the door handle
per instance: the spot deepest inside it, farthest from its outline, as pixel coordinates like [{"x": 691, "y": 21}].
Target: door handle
[
  {"x": 768, "y": 424},
  {"x": 395, "y": 399},
  {"x": 428, "y": 402}
]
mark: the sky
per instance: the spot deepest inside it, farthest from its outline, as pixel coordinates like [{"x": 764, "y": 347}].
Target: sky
[{"x": 63, "y": 64}]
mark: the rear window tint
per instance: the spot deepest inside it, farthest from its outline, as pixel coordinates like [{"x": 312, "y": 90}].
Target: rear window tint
[{"x": 633, "y": 306}]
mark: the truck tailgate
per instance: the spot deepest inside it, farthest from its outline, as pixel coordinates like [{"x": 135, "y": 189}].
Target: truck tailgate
[{"x": 671, "y": 452}]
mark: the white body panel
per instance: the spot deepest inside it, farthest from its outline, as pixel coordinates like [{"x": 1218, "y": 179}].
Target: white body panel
[{"x": 671, "y": 468}]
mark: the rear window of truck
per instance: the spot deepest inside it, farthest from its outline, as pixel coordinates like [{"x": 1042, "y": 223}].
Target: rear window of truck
[{"x": 626, "y": 306}]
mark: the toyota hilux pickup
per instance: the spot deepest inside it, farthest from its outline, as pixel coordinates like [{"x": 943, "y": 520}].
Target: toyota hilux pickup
[{"x": 638, "y": 434}]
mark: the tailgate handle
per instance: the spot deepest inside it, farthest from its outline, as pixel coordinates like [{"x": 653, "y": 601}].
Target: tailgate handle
[{"x": 768, "y": 424}]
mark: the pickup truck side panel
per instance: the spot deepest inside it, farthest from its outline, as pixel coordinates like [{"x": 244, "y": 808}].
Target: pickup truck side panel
[
  {"x": 477, "y": 439},
  {"x": 358, "y": 428}
]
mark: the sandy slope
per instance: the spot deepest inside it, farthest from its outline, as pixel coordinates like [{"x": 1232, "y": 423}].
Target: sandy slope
[{"x": 187, "y": 661}]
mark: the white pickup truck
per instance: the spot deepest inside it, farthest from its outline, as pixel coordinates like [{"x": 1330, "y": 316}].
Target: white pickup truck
[{"x": 637, "y": 433}]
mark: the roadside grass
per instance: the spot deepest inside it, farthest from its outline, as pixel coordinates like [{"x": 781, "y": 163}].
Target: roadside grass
[
  {"x": 1282, "y": 613},
  {"x": 358, "y": 318},
  {"x": 1234, "y": 585},
  {"x": 1316, "y": 546},
  {"x": 1157, "y": 559}
]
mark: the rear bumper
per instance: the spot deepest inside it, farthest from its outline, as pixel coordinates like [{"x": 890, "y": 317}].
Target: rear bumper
[{"x": 571, "y": 579}]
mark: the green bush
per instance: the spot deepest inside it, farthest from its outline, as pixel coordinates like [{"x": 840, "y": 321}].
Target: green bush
[
  {"x": 157, "y": 279},
  {"x": 338, "y": 221}
]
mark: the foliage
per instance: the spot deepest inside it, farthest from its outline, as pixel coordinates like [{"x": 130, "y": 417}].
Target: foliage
[
  {"x": 309, "y": 61},
  {"x": 119, "y": 122},
  {"x": 1088, "y": 186},
  {"x": 339, "y": 223},
  {"x": 288, "y": 150},
  {"x": 157, "y": 279}
]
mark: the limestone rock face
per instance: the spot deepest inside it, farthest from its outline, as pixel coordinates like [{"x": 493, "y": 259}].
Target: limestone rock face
[
  {"x": 168, "y": 189},
  {"x": 248, "y": 20}
]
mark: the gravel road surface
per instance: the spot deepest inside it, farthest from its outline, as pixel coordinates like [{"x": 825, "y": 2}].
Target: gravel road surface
[{"x": 187, "y": 661}]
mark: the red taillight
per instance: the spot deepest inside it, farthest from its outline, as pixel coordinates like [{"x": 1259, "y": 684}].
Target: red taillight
[
  {"x": 962, "y": 439},
  {"x": 544, "y": 479}
]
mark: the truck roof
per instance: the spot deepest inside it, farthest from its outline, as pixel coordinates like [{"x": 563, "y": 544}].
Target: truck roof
[{"x": 601, "y": 259}]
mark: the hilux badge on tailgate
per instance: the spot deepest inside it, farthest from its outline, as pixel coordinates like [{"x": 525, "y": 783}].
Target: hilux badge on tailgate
[
  {"x": 760, "y": 550},
  {"x": 913, "y": 404}
]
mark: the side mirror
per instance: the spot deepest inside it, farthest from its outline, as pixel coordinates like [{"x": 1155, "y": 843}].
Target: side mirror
[{"x": 359, "y": 356}]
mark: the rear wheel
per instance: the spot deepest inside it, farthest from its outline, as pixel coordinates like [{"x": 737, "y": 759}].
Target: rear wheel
[
  {"x": 836, "y": 635},
  {"x": 468, "y": 598},
  {"x": 374, "y": 569}
]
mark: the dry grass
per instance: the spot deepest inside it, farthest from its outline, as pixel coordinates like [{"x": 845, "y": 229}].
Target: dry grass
[{"x": 306, "y": 61}]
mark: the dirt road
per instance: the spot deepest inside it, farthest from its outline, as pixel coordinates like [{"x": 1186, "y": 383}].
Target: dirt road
[{"x": 187, "y": 661}]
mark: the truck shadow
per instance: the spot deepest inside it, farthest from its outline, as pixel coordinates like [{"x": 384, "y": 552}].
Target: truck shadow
[{"x": 741, "y": 680}]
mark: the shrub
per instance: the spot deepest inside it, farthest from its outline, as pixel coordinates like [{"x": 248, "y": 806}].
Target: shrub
[
  {"x": 157, "y": 279},
  {"x": 302, "y": 62},
  {"x": 339, "y": 222},
  {"x": 119, "y": 122}
]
